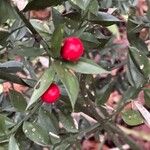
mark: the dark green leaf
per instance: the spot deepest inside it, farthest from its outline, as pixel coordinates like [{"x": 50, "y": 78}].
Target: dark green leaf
[
  {"x": 3, "y": 37},
  {"x": 103, "y": 97},
  {"x": 47, "y": 121},
  {"x": 103, "y": 18},
  {"x": 67, "y": 122},
  {"x": 11, "y": 66},
  {"x": 132, "y": 117},
  {"x": 17, "y": 100},
  {"x": 135, "y": 77},
  {"x": 57, "y": 17},
  {"x": 40, "y": 4},
  {"x": 141, "y": 61},
  {"x": 56, "y": 40},
  {"x": 89, "y": 37},
  {"x": 86, "y": 66},
  {"x": 83, "y": 4},
  {"x": 2, "y": 126},
  {"x": 147, "y": 96},
  {"x": 28, "y": 51},
  {"x": 42, "y": 85},
  {"x": 13, "y": 144},
  {"x": 5, "y": 8},
  {"x": 69, "y": 80},
  {"x": 35, "y": 133}
]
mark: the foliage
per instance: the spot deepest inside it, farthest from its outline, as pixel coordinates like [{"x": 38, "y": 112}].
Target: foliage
[{"x": 25, "y": 122}]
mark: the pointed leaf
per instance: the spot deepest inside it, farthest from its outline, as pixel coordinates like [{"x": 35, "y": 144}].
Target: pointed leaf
[
  {"x": 83, "y": 4},
  {"x": 69, "y": 80},
  {"x": 36, "y": 134},
  {"x": 103, "y": 18},
  {"x": 141, "y": 61},
  {"x": 42, "y": 85},
  {"x": 85, "y": 66},
  {"x": 28, "y": 51},
  {"x": 13, "y": 144},
  {"x": 67, "y": 122},
  {"x": 147, "y": 96},
  {"x": 56, "y": 40},
  {"x": 18, "y": 101},
  {"x": 11, "y": 66}
]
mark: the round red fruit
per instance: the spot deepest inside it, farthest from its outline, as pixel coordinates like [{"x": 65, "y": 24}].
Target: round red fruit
[
  {"x": 72, "y": 49},
  {"x": 52, "y": 94}
]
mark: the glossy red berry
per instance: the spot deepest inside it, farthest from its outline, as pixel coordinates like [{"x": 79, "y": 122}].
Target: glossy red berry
[
  {"x": 52, "y": 94},
  {"x": 72, "y": 49}
]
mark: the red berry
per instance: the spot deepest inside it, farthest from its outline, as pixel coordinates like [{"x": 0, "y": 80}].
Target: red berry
[
  {"x": 72, "y": 49},
  {"x": 52, "y": 94}
]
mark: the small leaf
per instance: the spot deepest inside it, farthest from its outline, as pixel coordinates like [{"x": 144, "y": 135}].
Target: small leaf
[
  {"x": 18, "y": 101},
  {"x": 56, "y": 40},
  {"x": 86, "y": 66},
  {"x": 132, "y": 117},
  {"x": 41, "y": 4},
  {"x": 67, "y": 122},
  {"x": 36, "y": 134},
  {"x": 13, "y": 144},
  {"x": 69, "y": 80},
  {"x": 44, "y": 82}
]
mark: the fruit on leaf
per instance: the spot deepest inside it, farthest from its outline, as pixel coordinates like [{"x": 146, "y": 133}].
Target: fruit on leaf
[
  {"x": 72, "y": 49},
  {"x": 52, "y": 94}
]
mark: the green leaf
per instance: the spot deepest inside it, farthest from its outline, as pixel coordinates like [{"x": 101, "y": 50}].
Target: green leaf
[
  {"x": 103, "y": 97},
  {"x": 94, "y": 6},
  {"x": 42, "y": 85},
  {"x": 89, "y": 37},
  {"x": 141, "y": 61},
  {"x": 67, "y": 122},
  {"x": 85, "y": 66},
  {"x": 2, "y": 126},
  {"x": 11, "y": 66},
  {"x": 147, "y": 96},
  {"x": 57, "y": 18},
  {"x": 56, "y": 40},
  {"x": 132, "y": 117},
  {"x": 48, "y": 121},
  {"x": 69, "y": 80},
  {"x": 102, "y": 18},
  {"x": 13, "y": 144},
  {"x": 135, "y": 77},
  {"x": 83, "y": 4},
  {"x": 28, "y": 51},
  {"x": 40, "y": 4},
  {"x": 50, "y": 124},
  {"x": 3, "y": 37},
  {"x": 5, "y": 8},
  {"x": 36, "y": 134},
  {"x": 18, "y": 101}
]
